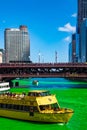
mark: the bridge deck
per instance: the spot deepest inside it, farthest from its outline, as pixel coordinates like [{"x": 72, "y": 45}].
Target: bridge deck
[{"x": 16, "y": 70}]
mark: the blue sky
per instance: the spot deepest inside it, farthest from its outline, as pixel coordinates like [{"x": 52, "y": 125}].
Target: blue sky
[{"x": 50, "y": 24}]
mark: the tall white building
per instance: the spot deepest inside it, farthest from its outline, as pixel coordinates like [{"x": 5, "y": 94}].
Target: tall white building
[
  {"x": 0, "y": 57},
  {"x": 17, "y": 44}
]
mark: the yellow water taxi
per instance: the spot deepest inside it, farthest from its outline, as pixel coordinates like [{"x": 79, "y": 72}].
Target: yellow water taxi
[{"x": 37, "y": 105}]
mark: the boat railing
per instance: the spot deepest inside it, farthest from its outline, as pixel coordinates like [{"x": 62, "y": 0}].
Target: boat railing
[
  {"x": 9, "y": 95},
  {"x": 26, "y": 96},
  {"x": 16, "y": 96}
]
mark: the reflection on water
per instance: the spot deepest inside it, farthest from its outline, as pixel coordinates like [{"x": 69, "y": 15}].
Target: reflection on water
[{"x": 59, "y": 83}]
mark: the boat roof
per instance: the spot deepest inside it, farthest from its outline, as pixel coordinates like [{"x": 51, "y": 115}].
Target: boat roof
[
  {"x": 38, "y": 91},
  {"x": 4, "y": 83}
]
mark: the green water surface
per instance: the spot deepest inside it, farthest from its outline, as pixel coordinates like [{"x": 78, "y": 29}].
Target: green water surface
[{"x": 72, "y": 98}]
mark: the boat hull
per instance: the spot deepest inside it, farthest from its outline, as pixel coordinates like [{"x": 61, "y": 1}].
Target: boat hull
[
  {"x": 39, "y": 117},
  {"x": 4, "y": 89}
]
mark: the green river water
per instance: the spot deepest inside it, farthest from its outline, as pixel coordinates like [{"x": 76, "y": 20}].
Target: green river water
[{"x": 69, "y": 94}]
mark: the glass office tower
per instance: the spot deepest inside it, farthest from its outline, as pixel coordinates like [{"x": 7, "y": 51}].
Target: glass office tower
[
  {"x": 70, "y": 52},
  {"x": 82, "y": 13},
  {"x": 17, "y": 44},
  {"x": 84, "y": 41}
]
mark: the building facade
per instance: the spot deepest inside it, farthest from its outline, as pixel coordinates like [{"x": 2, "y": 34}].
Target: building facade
[
  {"x": 79, "y": 39},
  {"x": 70, "y": 52},
  {"x": 72, "y": 49},
  {"x": 17, "y": 44},
  {"x": 2, "y": 56},
  {"x": 81, "y": 16},
  {"x": 84, "y": 41},
  {"x": 77, "y": 48},
  {"x": 82, "y": 13}
]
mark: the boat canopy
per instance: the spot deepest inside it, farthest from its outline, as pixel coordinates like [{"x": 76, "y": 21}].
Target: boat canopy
[
  {"x": 4, "y": 84},
  {"x": 39, "y": 93},
  {"x": 46, "y": 100}
]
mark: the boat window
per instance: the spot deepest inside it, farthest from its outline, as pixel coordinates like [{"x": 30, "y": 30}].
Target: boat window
[
  {"x": 34, "y": 94},
  {"x": 37, "y": 94},
  {"x": 26, "y": 108},
  {"x": 9, "y": 106},
  {"x": 42, "y": 108},
  {"x": 1, "y": 105},
  {"x": 36, "y": 109},
  {"x": 17, "y": 107},
  {"x": 45, "y": 93},
  {"x": 45, "y": 107},
  {"x": 30, "y": 94},
  {"x": 20, "y": 107},
  {"x": 51, "y": 106},
  {"x": 31, "y": 110},
  {"x": 55, "y": 106}
]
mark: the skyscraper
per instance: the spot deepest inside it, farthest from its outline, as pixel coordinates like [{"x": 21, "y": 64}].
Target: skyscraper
[
  {"x": 72, "y": 49},
  {"x": 84, "y": 41},
  {"x": 17, "y": 44},
  {"x": 70, "y": 52},
  {"x": 82, "y": 13},
  {"x": 77, "y": 44}
]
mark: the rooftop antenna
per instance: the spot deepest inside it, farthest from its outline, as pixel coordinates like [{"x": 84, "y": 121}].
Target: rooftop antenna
[
  {"x": 55, "y": 56},
  {"x": 42, "y": 59},
  {"x": 39, "y": 54}
]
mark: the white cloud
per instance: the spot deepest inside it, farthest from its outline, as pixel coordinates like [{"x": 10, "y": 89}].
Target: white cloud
[
  {"x": 67, "y": 39},
  {"x": 67, "y": 28},
  {"x": 74, "y": 15}
]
